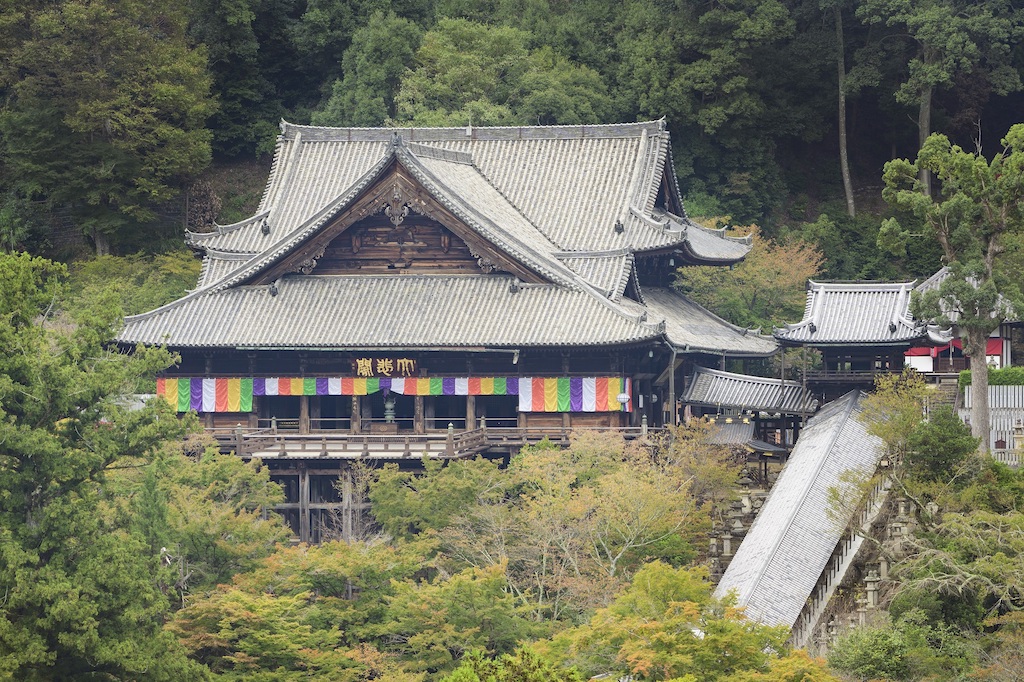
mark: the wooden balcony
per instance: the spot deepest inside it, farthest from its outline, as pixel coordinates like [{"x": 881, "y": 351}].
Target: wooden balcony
[
  {"x": 856, "y": 376},
  {"x": 265, "y": 443}
]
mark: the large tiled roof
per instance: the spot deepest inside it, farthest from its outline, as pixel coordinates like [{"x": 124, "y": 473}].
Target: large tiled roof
[
  {"x": 574, "y": 183},
  {"x": 717, "y": 388},
  {"x": 413, "y": 311},
  {"x": 840, "y": 313},
  {"x": 570, "y": 204},
  {"x": 790, "y": 542},
  {"x": 690, "y": 327}
]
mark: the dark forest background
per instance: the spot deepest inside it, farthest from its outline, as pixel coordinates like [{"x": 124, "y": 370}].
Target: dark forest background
[{"x": 124, "y": 121}]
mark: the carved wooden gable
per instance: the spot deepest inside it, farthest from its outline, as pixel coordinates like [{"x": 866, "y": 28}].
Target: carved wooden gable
[{"x": 396, "y": 225}]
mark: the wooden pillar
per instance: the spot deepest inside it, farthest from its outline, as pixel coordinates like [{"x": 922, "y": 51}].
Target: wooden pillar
[
  {"x": 672, "y": 388},
  {"x": 417, "y": 419},
  {"x": 314, "y": 414},
  {"x": 357, "y": 415},
  {"x": 348, "y": 506},
  {"x": 303, "y": 503},
  {"x": 470, "y": 412},
  {"x": 303, "y": 414}
]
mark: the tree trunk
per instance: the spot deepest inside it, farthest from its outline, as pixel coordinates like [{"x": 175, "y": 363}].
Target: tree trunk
[
  {"x": 844, "y": 164},
  {"x": 976, "y": 344},
  {"x": 102, "y": 242},
  {"x": 924, "y": 129}
]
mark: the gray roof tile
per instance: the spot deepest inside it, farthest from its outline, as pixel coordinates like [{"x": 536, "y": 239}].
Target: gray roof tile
[
  {"x": 607, "y": 272},
  {"x": 412, "y": 311},
  {"x": 716, "y": 388},
  {"x": 790, "y": 542},
  {"x": 692, "y": 328},
  {"x": 572, "y": 182},
  {"x": 851, "y": 313}
]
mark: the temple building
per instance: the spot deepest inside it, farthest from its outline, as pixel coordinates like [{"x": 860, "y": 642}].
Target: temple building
[
  {"x": 403, "y": 293},
  {"x": 861, "y": 329}
]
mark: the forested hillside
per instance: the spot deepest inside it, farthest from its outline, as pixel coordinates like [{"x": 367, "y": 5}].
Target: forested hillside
[
  {"x": 114, "y": 110},
  {"x": 131, "y": 549}
]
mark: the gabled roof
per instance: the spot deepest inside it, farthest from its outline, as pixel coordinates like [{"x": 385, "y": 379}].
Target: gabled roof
[
  {"x": 847, "y": 313},
  {"x": 608, "y": 271},
  {"x": 717, "y": 388},
  {"x": 792, "y": 539},
  {"x": 574, "y": 183}
]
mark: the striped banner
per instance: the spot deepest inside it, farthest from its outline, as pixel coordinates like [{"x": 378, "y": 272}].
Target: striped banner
[{"x": 536, "y": 394}]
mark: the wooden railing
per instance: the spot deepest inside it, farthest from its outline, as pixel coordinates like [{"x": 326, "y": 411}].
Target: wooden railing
[
  {"x": 842, "y": 559},
  {"x": 267, "y": 443},
  {"x": 847, "y": 375}
]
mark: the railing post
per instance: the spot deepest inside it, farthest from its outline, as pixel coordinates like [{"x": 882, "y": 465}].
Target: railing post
[
  {"x": 450, "y": 445},
  {"x": 643, "y": 425}
]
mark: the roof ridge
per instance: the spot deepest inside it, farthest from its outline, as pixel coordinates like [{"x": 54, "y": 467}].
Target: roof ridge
[
  {"x": 383, "y": 134},
  {"x": 718, "y": 232},
  {"x": 230, "y": 255},
  {"x": 611, "y": 253},
  {"x": 440, "y": 153},
  {"x": 224, "y": 229},
  {"x": 723, "y": 373}
]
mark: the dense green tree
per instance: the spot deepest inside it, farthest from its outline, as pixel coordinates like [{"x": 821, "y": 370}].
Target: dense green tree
[
  {"x": 667, "y": 626},
  {"x": 373, "y": 66},
  {"x": 699, "y": 66},
  {"x": 522, "y": 666},
  {"x": 472, "y": 74},
  {"x": 237, "y": 34},
  {"x": 81, "y": 594},
  {"x": 937, "y": 447},
  {"x": 950, "y": 38},
  {"x": 911, "y": 648},
  {"x": 106, "y": 110},
  {"x": 980, "y": 204}
]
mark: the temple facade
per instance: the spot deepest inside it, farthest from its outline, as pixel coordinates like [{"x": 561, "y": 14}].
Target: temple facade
[{"x": 403, "y": 293}]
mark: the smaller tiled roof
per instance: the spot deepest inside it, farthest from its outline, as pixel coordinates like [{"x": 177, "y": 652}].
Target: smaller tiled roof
[
  {"x": 691, "y": 328},
  {"x": 935, "y": 281},
  {"x": 251, "y": 236},
  {"x": 217, "y": 264},
  {"x": 740, "y": 434},
  {"x": 848, "y": 313},
  {"x": 607, "y": 271},
  {"x": 717, "y": 388},
  {"x": 703, "y": 244},
  {"x": 792, "y": 539}
]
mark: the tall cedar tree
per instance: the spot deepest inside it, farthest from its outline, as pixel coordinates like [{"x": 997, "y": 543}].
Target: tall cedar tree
[
  {"x": 980, "y": 204},
  {"x": 80, "y": 595},
  {"x": 107, "y": 106}
]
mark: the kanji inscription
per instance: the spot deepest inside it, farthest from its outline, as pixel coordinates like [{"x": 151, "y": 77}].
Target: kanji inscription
[{"x": 385, "y": 367}]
